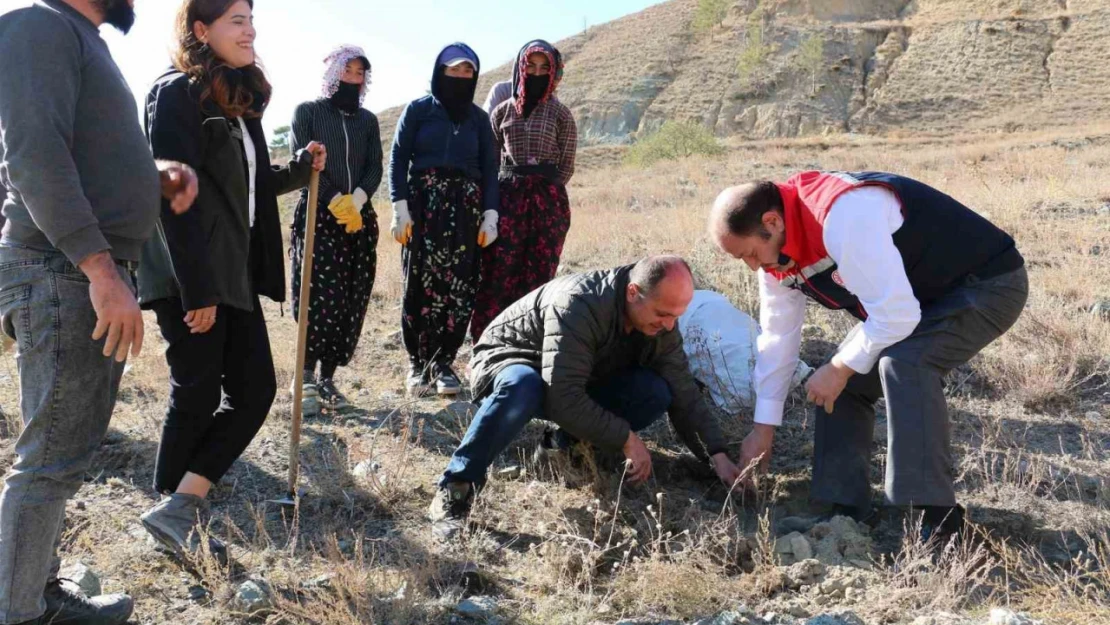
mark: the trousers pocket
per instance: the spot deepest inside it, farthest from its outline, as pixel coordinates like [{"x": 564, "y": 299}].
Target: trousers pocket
[{"x": 11, "y": 300}]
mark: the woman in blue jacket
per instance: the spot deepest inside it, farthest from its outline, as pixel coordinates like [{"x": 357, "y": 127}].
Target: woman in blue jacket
[{"x": 443, "y": 185}]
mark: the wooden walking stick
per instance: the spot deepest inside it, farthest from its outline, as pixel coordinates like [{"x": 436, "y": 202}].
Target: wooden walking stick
[{"x": 302, "y": 338}]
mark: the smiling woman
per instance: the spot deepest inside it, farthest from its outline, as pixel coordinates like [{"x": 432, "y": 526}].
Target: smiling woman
[
  {"x": 217, "y": 49},
  {"x": 203, "y": 272}
]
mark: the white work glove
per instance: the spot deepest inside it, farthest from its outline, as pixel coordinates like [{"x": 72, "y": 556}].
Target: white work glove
[
  {"x": 487, "y": 232},
  {"x": 401, "y": 228},
  {"x": 360, "y": 198}
]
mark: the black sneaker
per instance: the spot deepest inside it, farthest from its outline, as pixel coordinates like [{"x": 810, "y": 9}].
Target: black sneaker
[
  {"x": 940, "y": 523},
  {"x": 67, "y": 605},
  {"x": 447, "y": 383},
  {"x": 331, "y": 397},
  {"x": 449, "y": 508},
  {"x": 419, "y": 381}
]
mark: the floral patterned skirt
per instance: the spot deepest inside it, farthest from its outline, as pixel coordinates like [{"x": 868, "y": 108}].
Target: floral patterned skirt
[
  {"x": 533, "y": 225},
  {"x": 343, "y": 270},
  {"x": 440, "y": 264}
]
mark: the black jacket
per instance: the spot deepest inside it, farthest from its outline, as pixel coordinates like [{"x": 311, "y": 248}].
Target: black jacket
[
  {"x": 210, "y": 255},
  {"x": 571, "y": 330}
]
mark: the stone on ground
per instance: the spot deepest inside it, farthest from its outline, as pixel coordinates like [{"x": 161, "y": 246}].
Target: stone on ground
[{"x": 83, "y": 576}]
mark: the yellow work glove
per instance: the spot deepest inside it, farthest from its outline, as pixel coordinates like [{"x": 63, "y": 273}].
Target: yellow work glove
[{"x": 343, "y": 207}]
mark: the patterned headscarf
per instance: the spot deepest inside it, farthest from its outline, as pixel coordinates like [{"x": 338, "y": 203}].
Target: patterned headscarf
[
  {"x": 336, "y": 62},
  {"x": 520, "y": 72}
]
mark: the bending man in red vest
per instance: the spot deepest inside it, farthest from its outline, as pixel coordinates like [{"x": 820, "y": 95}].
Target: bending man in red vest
[{"x": 931, "y": 282}]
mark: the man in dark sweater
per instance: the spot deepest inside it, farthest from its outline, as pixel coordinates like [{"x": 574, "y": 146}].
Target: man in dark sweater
[
  {"x": 83, "y": 197},
  {"x": 600, "y": 355},
  {"x": 931, "y": 282}
]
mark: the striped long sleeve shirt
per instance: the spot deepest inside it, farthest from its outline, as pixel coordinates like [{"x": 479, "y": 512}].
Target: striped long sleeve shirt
[{"x": 354, "y": 148}]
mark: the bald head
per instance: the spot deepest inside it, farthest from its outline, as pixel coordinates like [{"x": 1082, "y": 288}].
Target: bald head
[
  {"x": 650, "y": 272},
  {"x": 739, "y": 210},
  {"x": 659, "y": 290},
  {"x": 747, "y": 222}
]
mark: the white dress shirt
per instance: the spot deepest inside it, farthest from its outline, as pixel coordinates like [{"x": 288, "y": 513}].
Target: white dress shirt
[
  {"x": 858, "y": 236},
  {"x": 252, "y": 167}
]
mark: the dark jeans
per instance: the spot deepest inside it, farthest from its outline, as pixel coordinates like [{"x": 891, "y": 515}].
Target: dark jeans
[
  {"x": 222, "y": 384},
  {"x": 910, "y": 375},
  {"x": 67, "y": 390},
  {"x": 639, "y": 396}
]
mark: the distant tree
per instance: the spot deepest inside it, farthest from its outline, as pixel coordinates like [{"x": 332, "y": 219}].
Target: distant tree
[
  {"x": 757, "y": 51},
  {"x": 710, "y": 13},
  {"x": 674, "y": 140},
  {"x": 811, "y": 58},
  {"x": 279, "y": 145}
]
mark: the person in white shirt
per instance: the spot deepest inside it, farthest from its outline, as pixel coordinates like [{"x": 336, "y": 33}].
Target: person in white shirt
[{"x": 931, "y": 282}]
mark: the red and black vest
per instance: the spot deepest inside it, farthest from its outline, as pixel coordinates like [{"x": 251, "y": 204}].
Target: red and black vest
[{"x": 941, "y": 241}]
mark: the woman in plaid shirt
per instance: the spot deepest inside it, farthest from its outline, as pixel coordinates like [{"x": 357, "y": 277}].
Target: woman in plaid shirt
[{"x": 537, "y": 139}]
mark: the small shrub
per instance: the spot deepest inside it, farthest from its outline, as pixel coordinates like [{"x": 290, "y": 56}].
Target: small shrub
[
  {"x": 710, "y": 13},
  {"x": 674, "y": 140}
]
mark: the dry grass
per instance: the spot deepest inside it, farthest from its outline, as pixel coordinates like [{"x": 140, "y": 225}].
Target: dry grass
[{"x": 576, "y": 545}]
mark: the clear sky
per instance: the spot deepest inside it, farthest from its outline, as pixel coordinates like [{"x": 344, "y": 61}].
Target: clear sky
[{"x": 401, "y": 38}]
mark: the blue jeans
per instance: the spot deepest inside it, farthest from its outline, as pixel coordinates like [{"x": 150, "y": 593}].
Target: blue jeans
[
  {"x": 639, "y": 396},
  {"x": 67, "y": 392}
]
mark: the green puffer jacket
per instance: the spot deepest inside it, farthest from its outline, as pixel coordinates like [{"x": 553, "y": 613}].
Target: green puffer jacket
[{"x": 572, "y": 331}]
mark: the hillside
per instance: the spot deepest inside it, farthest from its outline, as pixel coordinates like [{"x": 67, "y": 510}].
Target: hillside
[{"x": 885, "y": 67}]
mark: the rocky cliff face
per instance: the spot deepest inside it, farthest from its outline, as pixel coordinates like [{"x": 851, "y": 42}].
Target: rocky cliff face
[{"x": 932, "y": 66}]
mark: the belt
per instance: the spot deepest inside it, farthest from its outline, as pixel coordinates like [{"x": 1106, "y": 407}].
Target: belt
[
  {"x": 129, "y": 265},
  {"x": 547, "y": 170}
]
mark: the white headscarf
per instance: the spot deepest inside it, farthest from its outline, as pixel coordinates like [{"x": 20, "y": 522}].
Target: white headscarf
[{"x": 336, "y": 62}]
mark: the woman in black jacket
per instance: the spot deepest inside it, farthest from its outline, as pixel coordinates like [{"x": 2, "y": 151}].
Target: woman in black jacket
[
  {"x": 345, "y": 251},
  {"x": 203, "y": 271}
]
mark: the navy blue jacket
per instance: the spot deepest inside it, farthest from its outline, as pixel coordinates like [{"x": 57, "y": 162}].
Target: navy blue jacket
[{"x": 426, "y": 138}]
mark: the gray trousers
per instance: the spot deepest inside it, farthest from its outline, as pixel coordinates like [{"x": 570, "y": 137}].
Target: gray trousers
[
  {"x": 910, "y": 375},
  {"x": 67, "y": 393}
]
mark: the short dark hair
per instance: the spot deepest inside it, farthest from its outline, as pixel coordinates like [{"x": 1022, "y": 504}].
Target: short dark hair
[
  {"x": 650, "y": 271},
  {"x": 745, "y": 216}
]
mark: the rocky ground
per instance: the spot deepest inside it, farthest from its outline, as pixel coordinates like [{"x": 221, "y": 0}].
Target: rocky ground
[{"x": 573, "y": 544}]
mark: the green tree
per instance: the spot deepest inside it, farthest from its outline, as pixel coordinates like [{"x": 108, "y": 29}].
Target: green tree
[
  {"x": 710, "y": 13},
  {"x": 757, "y": 51},
  {"x": 280, "y": 143},
  {"x": 674, "y": 140},
  {"x": 811, "y": 58}
]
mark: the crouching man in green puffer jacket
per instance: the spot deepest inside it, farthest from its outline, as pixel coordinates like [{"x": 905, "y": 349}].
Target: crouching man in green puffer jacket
[{"x": 598, "y": 354}]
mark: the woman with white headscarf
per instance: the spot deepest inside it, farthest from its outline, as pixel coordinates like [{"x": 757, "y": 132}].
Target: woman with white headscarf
[{"x": 345, "y": 252}]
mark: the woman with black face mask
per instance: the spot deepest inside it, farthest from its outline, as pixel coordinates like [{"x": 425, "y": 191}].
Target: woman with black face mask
[
  {"x": 443, "y": 184},
  {"x": 537, "y": 139},
  {"x": 345, "y": 260}
]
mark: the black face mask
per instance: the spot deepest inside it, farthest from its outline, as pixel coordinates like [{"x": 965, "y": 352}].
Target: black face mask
[
  {"x": 535, "y": 87},
  {"x": 456, "y": 95},
  {"x": 118, "y": 13},
  {"x": 346, "y": 97}
]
